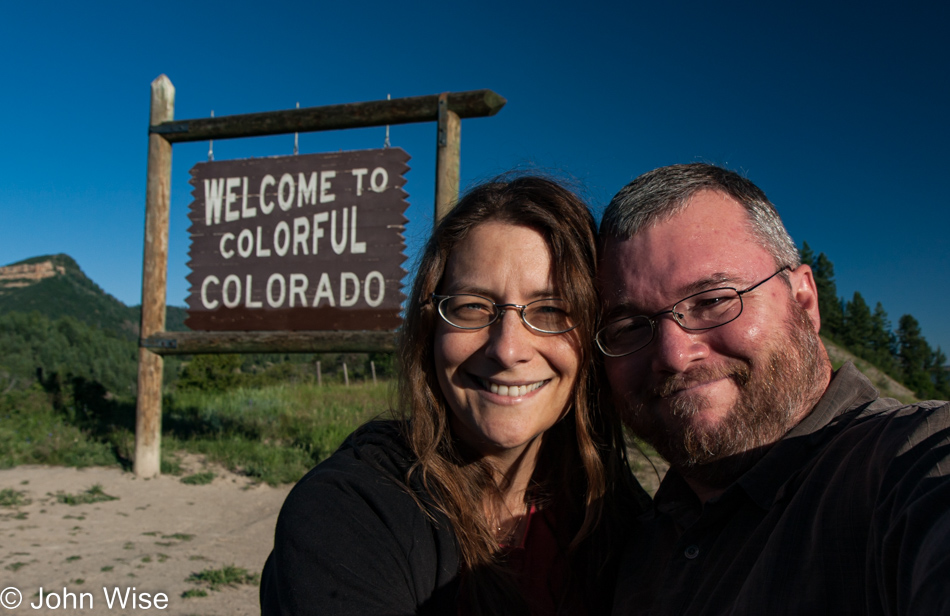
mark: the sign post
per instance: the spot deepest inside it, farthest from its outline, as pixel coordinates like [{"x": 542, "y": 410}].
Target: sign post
[{"x": 297, "y": 296}]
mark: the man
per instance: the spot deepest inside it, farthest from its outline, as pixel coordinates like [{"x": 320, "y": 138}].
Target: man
[{"x": 792, "y": 489}]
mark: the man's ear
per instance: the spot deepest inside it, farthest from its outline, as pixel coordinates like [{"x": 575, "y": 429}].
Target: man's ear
[{"x": 805, "y": 292}]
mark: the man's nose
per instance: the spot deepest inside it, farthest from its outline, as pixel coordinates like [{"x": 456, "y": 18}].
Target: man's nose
[{"x": 675, "y": 348}]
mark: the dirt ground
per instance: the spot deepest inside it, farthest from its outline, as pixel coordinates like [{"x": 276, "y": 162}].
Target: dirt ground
[{"x": 150, "y": 539}]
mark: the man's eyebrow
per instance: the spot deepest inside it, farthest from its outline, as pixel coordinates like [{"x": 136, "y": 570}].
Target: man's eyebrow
[
  {"x": 712, "y": 281},
  {"x": 629, "y": 309},
  {"x": 621, "y": 310}
]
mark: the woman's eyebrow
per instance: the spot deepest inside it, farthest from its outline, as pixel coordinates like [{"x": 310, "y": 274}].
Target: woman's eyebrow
[{"x": 476, "y": 290}]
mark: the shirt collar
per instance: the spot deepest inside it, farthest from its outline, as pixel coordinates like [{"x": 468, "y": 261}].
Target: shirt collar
[{"x": 848, "y": 389}]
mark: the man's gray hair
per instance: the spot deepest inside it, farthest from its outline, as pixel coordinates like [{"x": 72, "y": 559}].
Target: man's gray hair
[{"x": 660, "y": 194}]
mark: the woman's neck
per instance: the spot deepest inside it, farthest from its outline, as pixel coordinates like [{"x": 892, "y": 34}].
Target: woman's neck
[{"x": 507, "y": 508}]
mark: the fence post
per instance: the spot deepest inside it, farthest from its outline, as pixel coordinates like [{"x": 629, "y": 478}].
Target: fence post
[
  {"x": 148, "y": 408},
  {"x": 448, "y": 159}
]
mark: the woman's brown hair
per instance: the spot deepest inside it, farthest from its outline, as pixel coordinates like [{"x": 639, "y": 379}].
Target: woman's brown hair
[{"x": 581, "y": 457}]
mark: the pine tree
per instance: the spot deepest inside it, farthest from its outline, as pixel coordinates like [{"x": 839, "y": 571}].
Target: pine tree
[
  {"x": 915, "y": 357},
  {"x": 858, "y": 326},
  {"x": 829, "y": 304},
  {"x": 939, "y": 374},
  {"x": 882, "y": 341},
  {"x": 806, "y": 254}
]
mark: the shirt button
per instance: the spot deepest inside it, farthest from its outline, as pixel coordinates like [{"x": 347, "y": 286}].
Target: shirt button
[{"x": 691, "y": 552}]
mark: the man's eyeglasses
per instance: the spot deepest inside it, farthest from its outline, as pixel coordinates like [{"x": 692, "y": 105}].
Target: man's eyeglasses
[
  {"x": 548, "y": 316},
  {"x": 704, "y": 310}
]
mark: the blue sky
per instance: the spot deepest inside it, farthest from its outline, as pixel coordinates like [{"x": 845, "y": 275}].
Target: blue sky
[{"x": 838, "y": 111}]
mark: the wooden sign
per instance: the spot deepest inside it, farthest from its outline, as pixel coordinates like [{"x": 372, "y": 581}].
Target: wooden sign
[{"x": 310, "y": 242}]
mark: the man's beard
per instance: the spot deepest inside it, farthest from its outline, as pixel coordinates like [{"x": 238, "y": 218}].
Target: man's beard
[{"x": 774, "y": 395}]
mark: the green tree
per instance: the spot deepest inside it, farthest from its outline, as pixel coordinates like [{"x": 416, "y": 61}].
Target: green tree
[
  {"x": 829, "y": 304},
  {"x": 940, "y": 376},
  {"x": 915, "y": 357},
  {"x": 806, "y": 254},
  {"x": 858, "y": 325},
  {"x": 882, "y": 341},
  {"x": 212, "y": 372}
]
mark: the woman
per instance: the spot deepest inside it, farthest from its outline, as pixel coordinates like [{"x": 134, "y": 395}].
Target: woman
[{"x": 502, "y": 489}]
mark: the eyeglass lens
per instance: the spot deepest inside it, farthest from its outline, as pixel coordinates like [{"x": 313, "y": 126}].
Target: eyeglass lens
[
  {"x": 701, "y": 311},
  {"x": 474, "y": 312}
]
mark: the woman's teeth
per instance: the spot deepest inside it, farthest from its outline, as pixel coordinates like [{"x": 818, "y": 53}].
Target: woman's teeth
[{"x": 513, "y": 391}]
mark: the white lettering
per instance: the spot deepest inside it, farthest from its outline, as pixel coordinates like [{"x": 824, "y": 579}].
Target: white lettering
[
  {"x": 301, "y": 233},
  {"x": 267, "y": 206},
  {"x": 214, "y": 190},
  {"x": 245, "y": 243},
  {"x": 116, "y": 594},
  {"x": 298, "y": 288},
  {"x": 231, "y": 281},
  {"x": 230, "y": 199},
  {"x": 248, "y": 302},
  {"x": 359, "y": 173},
  {"x": 323, "y": 291},
  {"x": 349, "y": 277},
  {"x": 326, "y": 197},
  {"x": 317, "y": 230},
  {"x": 210, "y": 305},
  {"x": 288, "y": 181},
  {"x": 62, "y": 600},
  {"x": 261, "y": 251},
  {"x": 338, "y": 247},
  {"x": 227, "y": 254},
  {"x": 246, "y": 212},
  {"x": 307, "y": 190},
  {"x": 381, "y": 185},
  {"x": 276, "y": 303},
  {"x": 281, "y": 245},
  {"x": 356, "y": 248},
  {"x": 374, "y": 301}
]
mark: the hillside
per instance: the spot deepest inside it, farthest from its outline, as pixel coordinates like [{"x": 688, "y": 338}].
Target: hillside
[
  {"x": 55, "y": 286},
  {"x": 885, "y": 384}
]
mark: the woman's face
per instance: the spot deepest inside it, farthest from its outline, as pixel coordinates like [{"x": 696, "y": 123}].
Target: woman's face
[{"x": 505, "y": 384}]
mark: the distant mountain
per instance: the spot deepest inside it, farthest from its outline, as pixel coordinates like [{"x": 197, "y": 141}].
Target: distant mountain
[{"x": 55, "y": 286}]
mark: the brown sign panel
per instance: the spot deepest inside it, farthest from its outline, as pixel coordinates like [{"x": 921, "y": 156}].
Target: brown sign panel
[{"x": 311, "y": 242}]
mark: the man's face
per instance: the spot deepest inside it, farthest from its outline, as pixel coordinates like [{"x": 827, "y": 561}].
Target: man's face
[{"x": 704, "y": 396}]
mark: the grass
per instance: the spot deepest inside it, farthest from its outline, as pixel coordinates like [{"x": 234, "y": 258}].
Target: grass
[
  {"x": 95, "y": 494},
  {"x": 33, "y": 432},
  {"x": 230, "y": 575},
  {"x": 13, "y": 498},
  {"x": 199, "y": 479},
  {"x": 273, "y": 434}
]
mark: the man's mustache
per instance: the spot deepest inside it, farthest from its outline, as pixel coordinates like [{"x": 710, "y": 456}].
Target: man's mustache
[{"x": 738, "y": 371}]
